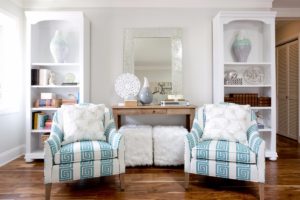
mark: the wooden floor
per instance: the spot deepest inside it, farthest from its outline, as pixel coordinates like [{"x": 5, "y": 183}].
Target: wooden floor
[{"x": 20, "y": 180}]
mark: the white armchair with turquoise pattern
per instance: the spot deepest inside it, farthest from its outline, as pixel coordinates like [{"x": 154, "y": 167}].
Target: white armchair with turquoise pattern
[
  {"x": 225, "y": 159},
  {"x": 83, "y": 159}
]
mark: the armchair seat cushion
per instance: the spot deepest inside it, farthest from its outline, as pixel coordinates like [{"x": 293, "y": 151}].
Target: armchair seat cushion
[
  {"x": 84, "y": 151},
  {"x": 222, "y": 150}
]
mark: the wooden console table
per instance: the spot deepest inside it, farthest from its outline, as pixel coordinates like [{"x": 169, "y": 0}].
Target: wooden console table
[{"x": 188, "y": 111}]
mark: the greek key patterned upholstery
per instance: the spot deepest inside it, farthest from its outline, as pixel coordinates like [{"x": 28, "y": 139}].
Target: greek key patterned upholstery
[
  {"x": 84, "y": 159},
  {"x": 221, "y": 150},
  {"x": 225, "y": 159},
  {"x": 84, "y": 151}
]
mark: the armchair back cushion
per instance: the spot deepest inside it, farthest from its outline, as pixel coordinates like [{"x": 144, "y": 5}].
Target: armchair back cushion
[
  {"x": 226, "y": 122},
  {"x": 83, "y": 122}
]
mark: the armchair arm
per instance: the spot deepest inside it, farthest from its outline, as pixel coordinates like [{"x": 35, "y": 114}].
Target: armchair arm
[
  {"x": 56, "y": 136},
  {"x": 191, "y": 140},
  {"x": 257, "y": 145},
  {"x": 51, "y": 146}
]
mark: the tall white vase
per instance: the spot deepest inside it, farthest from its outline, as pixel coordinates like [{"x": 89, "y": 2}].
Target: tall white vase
[{"x": 59, "y": 47}]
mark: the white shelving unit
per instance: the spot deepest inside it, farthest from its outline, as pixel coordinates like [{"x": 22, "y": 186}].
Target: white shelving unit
[
  {"x": 259, "y": 27},
  {"x": 41, "y": 26}
]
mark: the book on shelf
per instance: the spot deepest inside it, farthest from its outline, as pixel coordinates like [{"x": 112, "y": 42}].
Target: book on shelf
[
  {"x": 35, "y": 76},
  {"x": 39, "y": 119},
  {"x": 44, "y": 76}
]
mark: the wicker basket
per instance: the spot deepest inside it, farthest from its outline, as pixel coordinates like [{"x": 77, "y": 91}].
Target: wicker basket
[{"x": 44, "y": 137}]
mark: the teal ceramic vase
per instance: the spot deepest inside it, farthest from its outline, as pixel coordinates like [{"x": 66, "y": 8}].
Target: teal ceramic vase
[{"x": 241, "y": 47}]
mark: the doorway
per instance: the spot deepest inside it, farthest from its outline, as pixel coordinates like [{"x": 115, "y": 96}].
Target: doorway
[{"x": 287, "y": 73}]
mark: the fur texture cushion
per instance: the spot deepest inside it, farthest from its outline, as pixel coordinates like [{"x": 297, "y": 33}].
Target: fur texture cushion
[
  {"x": 83, "y": 122},
  {"x": 168, "y": 145},
  {"x": 227, "y": 122},
  {"x": 138, "y": 145}
]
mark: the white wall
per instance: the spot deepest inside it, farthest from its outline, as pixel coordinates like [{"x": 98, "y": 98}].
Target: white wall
[
  {"x": 107, "y": 25},
  {"x": 12, "y": 126}
]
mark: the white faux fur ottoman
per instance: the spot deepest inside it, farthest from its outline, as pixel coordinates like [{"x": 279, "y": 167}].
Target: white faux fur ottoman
[
  {"x": 138, "y": 145},
  {"x": 168, "y": 142}
]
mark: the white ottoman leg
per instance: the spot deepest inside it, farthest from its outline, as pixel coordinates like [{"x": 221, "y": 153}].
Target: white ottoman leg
[
  {"x": 168, "y": 142},
  {"x": 138, "y": 145}
]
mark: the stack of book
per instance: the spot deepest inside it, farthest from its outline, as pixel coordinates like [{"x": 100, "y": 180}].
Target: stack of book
[
  {"x": 48, "y": 100},
  {"x": 248, "y": 98},
  {"x": 172, "y": 102}
]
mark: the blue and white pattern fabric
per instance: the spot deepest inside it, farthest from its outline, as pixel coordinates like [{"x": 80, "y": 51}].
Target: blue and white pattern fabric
[
  {"x": 85, "y": 151},
  {"x": 225, "y": 159},
  {"x": 221, "y": 169},
  {"x": 84, "y": 159},
  {"x": 222, "y": 150},
  {"x": 84, "y": 170}
]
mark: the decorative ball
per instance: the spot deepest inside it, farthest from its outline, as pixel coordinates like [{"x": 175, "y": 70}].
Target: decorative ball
[{"x": 127, "y": 85}]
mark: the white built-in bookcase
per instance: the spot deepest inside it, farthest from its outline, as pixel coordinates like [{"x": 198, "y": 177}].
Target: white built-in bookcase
[
  {"x": 259, "y": 27},
  {"x": 41, "y": 26}
]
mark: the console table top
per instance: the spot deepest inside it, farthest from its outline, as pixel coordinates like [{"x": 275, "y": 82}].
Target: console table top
[{"x": 154, "y": 107}]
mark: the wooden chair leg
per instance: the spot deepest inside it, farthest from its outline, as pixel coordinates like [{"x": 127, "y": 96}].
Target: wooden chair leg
[
  {"x": 48, "y": 187},
  {"x": 186, "y": 180},
  {"x": 122, "y": 184},
  {"x": 261, "y": 191}
]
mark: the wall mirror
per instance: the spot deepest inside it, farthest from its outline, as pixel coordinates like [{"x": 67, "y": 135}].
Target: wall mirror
[{"x": 155, "y": 53}]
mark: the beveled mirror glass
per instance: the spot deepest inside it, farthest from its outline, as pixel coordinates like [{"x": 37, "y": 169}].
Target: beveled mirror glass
[{"x": 155, "y": 53}]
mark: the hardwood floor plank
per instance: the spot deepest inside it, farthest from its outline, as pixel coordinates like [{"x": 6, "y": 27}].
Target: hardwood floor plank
[{"x": 24, "y": 181}]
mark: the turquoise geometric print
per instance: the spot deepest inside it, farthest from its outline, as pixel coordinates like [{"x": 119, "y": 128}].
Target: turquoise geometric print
[
  {"x": 87, "y": 169},
  {"x": 66, "y": 172},
  {"x": 87, "y": 151}
]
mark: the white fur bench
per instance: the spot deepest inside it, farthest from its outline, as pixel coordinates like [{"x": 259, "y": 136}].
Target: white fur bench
[
  {"x": 168, "y": 143},
  {"x": 138, "y": 145}
]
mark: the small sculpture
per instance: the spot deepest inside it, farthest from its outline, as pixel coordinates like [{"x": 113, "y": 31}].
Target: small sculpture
[{"x": 51, "y": 78}]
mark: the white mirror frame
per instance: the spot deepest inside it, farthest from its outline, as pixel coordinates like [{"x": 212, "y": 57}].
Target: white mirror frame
[{"x": 176, "y": 41}]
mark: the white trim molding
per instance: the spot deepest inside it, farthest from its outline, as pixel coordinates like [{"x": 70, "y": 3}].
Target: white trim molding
[
  {"x": 11, "y": 154},
  {"x": 147, "y": 3}
]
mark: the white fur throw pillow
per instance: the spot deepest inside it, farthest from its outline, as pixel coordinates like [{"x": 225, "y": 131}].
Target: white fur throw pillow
[
  {"x": 83, "y": 122},
  {"x": 227, "y": 122}
]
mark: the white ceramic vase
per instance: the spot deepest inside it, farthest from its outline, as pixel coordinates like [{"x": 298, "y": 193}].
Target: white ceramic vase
[{"x": 59, "y": 47}]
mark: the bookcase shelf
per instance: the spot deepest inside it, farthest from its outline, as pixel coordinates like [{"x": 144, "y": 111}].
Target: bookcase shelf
[
  {"x": 44, "y": 109},
  {"x": 41, "y": 130},
  {"x": 57, "y": 64},
  {"x": 246, "y": 86},
  {"x": 243, "y": 64},
  {"x": 255, "y": 75},
  {"x": 55, "y": 86},
  {"x": 41, "y": 28}
]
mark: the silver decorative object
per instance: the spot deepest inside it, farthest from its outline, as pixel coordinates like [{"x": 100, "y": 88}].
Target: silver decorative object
[
  {"x": 254, "y": 75},
  {"x": 241, "y": 47},
  {"x": 145, "y": 94},
  {"x": 59, "y": 47},
  {"x": 127, "y": 86}
]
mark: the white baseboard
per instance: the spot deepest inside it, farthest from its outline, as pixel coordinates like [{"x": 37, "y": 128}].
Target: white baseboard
[{"x": 11, "y": 154}]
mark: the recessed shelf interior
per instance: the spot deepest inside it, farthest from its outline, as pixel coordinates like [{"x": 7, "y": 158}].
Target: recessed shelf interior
[
  {"x": 42, "y": 33},
  {"x": 256, "y": 31}
]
